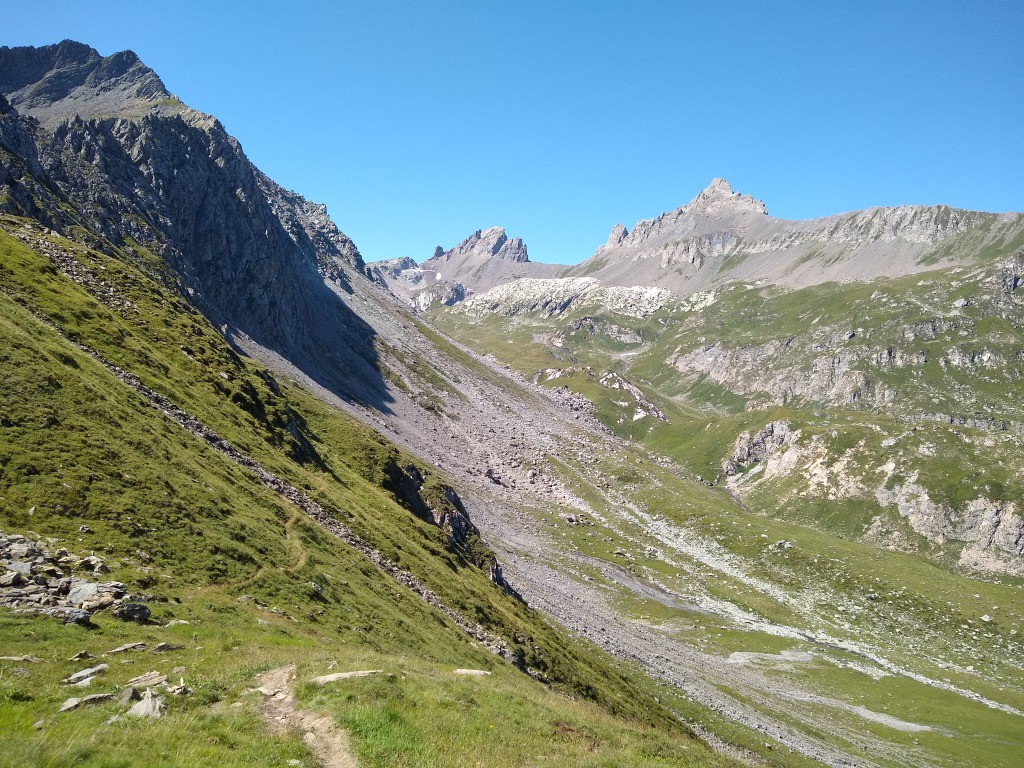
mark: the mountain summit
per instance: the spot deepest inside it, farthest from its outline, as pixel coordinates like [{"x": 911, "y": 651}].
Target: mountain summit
[
  {"x": 484, "y": 260},
  {"x": 718, "y": 197},
  {"x": 57, "y": 82},
  {"x": 722, "y": 235},
  {"x": 483, "y": 245}
]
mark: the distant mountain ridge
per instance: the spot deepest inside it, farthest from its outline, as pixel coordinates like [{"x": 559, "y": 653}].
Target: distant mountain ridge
[
  {"x": 484, "y": 260},
  {"x": 722, "y": 236}
]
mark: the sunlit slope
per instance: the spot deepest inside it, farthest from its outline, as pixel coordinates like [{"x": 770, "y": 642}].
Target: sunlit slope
[
  {"x": 827, "y": 476},
  {"x": 262, "y": 585}
]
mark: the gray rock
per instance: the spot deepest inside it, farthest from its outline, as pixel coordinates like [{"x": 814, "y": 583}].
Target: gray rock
[
  {"x": 751, "y": 449},
  {"x": 617, "y": 235},
  {"x": 129, "y": 647},
  {"x": 81, "y": 591},
  {"x": 93, "y": 563},
  {"x": 334, "y": 677},
  {"x": 75, "y": 703},
  {"x": 149, "y": 706},
  {"x": 148, "y": 679},
  {"x": 165, "y": 647},
  {"x": 127, "y": 696},
  {"x": 98, "y": 602},
  {"x": 85, "y": 674},
  {"x": 76, "y": 616},
  {"x": 132, "y": 612},
  {"x": 12, "y": 579},
  {"x": 23, "y": 550}
]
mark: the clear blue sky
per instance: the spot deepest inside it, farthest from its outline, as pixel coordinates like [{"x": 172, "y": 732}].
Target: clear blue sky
[{"x": 417, "y": 122}]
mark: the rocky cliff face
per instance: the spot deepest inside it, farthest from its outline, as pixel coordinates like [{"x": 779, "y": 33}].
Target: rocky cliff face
[
  {"x": 559, "y": 296},
  {"x": 722, "y": 235},
  {"x": 991, "y": 531},
  {"x": 97, "y": 144}
]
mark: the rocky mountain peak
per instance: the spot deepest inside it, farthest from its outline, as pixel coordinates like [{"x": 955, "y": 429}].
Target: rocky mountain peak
[
  {"x": 488, "y": 257},
  {"x": 486, "y": 244},
  {"x": 54, "y": 83},
  {"x": 719, "y": 197},
  {"x": 617, "y": 235},
  {"x": 114, "y": 154}
]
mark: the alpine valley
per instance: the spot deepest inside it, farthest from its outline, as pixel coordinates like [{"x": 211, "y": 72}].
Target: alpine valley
[{"x": 735, "y": 490}]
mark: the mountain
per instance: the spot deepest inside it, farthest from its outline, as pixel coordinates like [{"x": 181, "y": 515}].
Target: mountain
[
  {"x": 58, "y": 82},
  {"x": 852, "y": 388},
  {"x": 485, "y": 259},
  {"x": 722, "y": 236},
  {"x": 861, "y": 343},
  {"x": 746, "y": 525},
  {"x": 150, "y": 274},
  {"x": 145, "y": 172}
]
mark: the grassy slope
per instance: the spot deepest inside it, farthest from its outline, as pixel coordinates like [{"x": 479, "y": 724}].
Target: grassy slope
[
  {"x": 955, "y": 463},
  {"x": 928, "y": 615},
  {"x": 175, "y": 519}
]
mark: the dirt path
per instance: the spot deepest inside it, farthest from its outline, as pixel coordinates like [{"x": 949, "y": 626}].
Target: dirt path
[{"x": 328, "y": 743}]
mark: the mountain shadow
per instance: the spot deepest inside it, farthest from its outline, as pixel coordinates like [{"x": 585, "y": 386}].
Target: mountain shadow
[{"x": 97, "y": 149}]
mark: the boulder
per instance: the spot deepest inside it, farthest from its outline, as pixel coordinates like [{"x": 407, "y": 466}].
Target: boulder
[
  {"x": 98, "y": 602},
  {"x": 148, "y": 706},
  {"x": 81, "y": 591},
  {"x": 76, "y": 616},
  {"x": 12, "y": 579},
  {"x": 132, "y": 612},
  {"x": 325, "y": 679},
  {"x": 128, "y": 695},
  {"x": 93, "y": 563},
  {"x": 74, "y": 703},
  {"x": 85, "y": 674}
]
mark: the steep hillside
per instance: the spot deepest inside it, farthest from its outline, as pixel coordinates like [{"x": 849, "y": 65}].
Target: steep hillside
[
  {"x": 722, "y": 236},
  {"x": 171, "y": 184},
  {"x": 845, "y": 460},
  {"x": 260, "y": 528}
]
